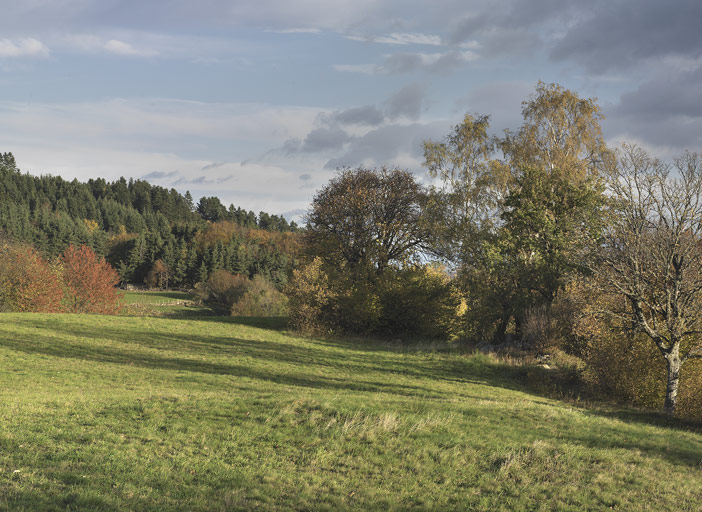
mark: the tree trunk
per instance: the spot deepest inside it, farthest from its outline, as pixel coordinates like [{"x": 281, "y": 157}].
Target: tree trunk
[
  {"x": 501, "y": 331},
  {"x": 671, "y": 391}
]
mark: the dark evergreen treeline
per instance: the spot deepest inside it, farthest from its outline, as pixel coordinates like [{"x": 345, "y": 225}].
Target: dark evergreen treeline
[{"x": 148, "y": 233}]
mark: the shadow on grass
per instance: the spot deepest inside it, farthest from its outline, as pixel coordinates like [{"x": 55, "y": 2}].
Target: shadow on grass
[
  {"x": 327, "y": 365},
  {"x": 296, "y": 373}
]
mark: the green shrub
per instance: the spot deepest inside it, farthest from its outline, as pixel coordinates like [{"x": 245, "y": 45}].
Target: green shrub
[
  {"x": 420, "y": 302},
  {"x": 260, "y": 298},
  {"x": 309, "y": 298},
  {"x": 222, "y": 290}
]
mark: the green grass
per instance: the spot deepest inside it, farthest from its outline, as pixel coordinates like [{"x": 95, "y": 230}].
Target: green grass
[
  {"x": 140, "y": 413},
  {"x": 156, "y": 297},
  {"x": 172, "y": 304}
]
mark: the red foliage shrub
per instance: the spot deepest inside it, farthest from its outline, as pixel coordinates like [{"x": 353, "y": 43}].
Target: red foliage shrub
[{"x": 90, "y": 282}]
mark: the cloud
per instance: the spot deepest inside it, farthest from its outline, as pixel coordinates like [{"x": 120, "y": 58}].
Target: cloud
[
  {"x": 335, "y": 135},
  {"x": 324, "y": 139},
  {"x": 213, "y": 165},
  {"x": 501, "y": 100},
  {"x": 400, "y": 38},
  {"x": 27, "y": 47},
  {"x": 297, "y": 31},
  {"x": 366, "y": 69},
  {"x": 399, "y": 63},
  {"x": 88, "y": 43},
  {"x": 367, "y": 115},
  {"x": 664, "y": 112},
  {"x": 434, "y": 62},
  {"x": 407, "y": 102},
  {"x": 160, "y": 175},
  {"x": 629, "y": 32},
  {"x": 122, "y": 48},
  {"x": 391, "y": 145}
]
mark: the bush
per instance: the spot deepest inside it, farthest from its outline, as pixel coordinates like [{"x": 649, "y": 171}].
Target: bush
[
  {"x": 89, "y": 282},
  {"x": 222, "y": 290},
  {"x": 622, "y": 363},
  {"x": 28, "y": 282},
  {"x": 260, "y": 299},
  {"x": 309, "y": 298},
  {"x": 420, "y": 302},
  {"x": 551, "y": 327},
  {"x": 415, "y": 302},
  {"x": 240, "y": 296}
]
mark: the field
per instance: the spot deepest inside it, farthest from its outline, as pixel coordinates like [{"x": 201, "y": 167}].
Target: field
[{"x": 209, "y": 413}]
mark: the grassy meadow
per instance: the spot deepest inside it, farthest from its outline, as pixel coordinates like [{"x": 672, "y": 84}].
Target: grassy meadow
[{"x": 203, "y": 413}]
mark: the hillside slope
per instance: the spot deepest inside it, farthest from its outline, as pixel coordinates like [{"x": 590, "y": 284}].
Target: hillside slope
[{"x": 105, "y": 413}]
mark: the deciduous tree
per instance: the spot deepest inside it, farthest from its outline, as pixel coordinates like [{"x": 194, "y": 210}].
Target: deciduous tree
[
  {"x": 366, "y": 219},
  {"x": 652, "y": 255}
]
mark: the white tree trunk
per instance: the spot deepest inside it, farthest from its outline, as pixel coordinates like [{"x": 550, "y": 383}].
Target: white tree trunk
[{"x": 671, "y": 391}]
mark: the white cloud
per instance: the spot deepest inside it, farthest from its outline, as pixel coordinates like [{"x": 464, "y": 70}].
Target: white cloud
[
  {"x": 88, "y": 43},
  {"x": 408, "y": 62},
  {"x": 296, "y": 31},
  {"x": 122, "y": 48},
  {"x": 400, "y": 38},
  {"x": 366, "y": 69},
  {"x": 26, "y": 47}
]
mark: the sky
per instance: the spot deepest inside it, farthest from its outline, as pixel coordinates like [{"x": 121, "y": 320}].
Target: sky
[{"x": 259, "y": 102}]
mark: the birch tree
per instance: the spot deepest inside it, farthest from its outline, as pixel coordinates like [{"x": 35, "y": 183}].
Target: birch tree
[{"x": 652, "y": 254}]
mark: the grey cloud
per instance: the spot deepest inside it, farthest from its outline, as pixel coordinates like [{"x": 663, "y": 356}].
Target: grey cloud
[
  {"x": 407, "y": 102},
  {"x": 213, "y": 165},
  {"x": 506, "y": 27},
  {"x": 501, "y": 100},
  {"x": 205, "y": 180},
  {"x": 402, "y": 62},
  {"x": 628, "y": 32},
  {"x": 323, "y": 139},
  {"x": 305, "y": 177},
  {"x": 665, "y": 111},
  {"x": 368, "y": 115},
  {"x": 159, "y": 175},
  {"x": 451, "y": 60},
  {"x": 350, "y": 16},
  {"x": 385, "y": 144},
  {"x": 399, "y": 63},
  {"x": 296, "y": 215},
  {"x": 669, "y": 95}
]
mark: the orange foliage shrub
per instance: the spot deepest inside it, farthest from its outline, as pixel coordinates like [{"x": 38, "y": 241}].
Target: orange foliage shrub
[
  {"x": 28, "y": 282},
  {"x": 89, "y": 282}
]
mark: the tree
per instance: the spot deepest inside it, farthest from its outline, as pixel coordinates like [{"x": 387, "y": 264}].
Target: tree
[
  {"x": 158, "y": 275},
  {"x": 551, "y": 226},
  {"x": 90, "y": 282},
  {"x": 472, "y": 185},
  {"x": 561, "y": 130},
  {"x": 366, "y": 219},
  {"x": 210, "y": 208},
  {"x": 652, "y": 255},
  {"x": 515, "y": 227}
]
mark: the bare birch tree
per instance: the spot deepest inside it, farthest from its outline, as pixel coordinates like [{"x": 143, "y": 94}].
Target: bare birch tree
[{"x": 652, "y": 254}]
